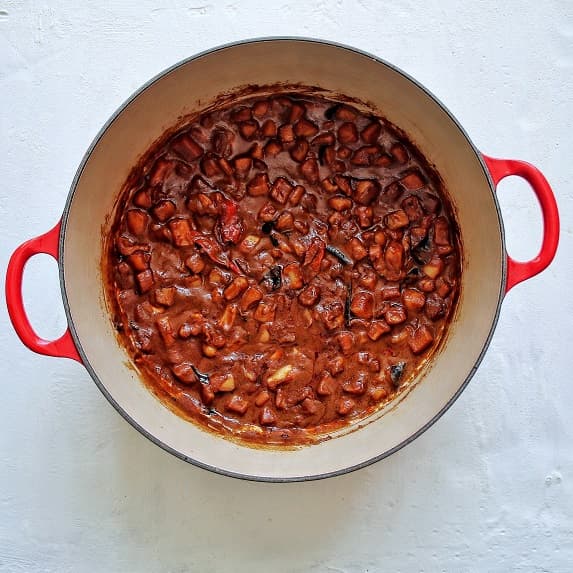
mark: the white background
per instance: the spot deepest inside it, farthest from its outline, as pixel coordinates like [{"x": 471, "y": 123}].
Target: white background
[{"x": 488, "y": 488}]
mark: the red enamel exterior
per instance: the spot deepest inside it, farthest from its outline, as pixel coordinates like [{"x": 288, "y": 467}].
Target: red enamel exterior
[
  {"x": 64, "y": 346},
  {"x": 519, "y": 271},
  {"x": 163, "y": 101}
]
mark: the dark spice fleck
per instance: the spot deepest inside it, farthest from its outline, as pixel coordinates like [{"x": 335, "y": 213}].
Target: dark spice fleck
[
  {"x": 347, "y": 312},
  {"x": 268, "y": 227},
  {"x": 331, "y": 112},
  {"x": 422, "y": 252},
  {"x": 273, "y": 278},
  {"x": 396, "y": 372},
  {"x": 342, "y": 257},
  {"x": 201, "y": 376}
]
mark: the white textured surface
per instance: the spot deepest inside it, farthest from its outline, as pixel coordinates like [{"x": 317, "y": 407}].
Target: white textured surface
[{"x": 489, "y": 488}]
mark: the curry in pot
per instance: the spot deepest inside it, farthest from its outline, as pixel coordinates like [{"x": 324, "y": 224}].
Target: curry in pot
[{"x": 282, "y": 267}]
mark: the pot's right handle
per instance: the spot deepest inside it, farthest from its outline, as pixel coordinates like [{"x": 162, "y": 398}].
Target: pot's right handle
[
  {"x": 64, "y": 346},
  {"x": 520, "y": 271}
]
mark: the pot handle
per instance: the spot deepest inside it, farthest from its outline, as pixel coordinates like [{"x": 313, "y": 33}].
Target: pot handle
[
  {"x": 64, "y": 346},
  {"x": 519, "y": 271}
]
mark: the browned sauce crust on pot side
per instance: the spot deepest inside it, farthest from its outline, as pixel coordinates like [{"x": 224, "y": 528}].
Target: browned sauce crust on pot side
[{"x": 282, "y": 266}]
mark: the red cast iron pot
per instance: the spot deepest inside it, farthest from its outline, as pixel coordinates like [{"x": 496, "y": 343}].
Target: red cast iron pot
[{"x": 471, "y": 178}]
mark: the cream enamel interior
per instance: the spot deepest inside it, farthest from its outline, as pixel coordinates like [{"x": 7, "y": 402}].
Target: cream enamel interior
[{"x": 193, "y": 85}]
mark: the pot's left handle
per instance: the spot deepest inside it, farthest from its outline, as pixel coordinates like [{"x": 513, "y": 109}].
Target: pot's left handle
[{"x": 64, "y": 346}]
